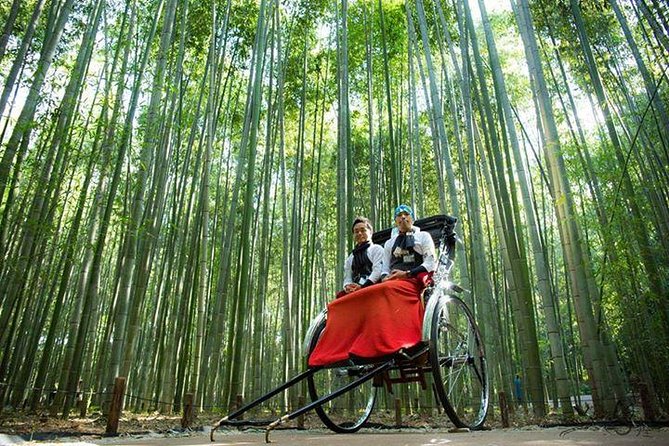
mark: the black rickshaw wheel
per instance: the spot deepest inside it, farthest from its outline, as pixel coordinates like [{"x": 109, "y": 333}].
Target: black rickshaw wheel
[
  {"x": 458, "y": 363},
  {"x": 348, "y": 412}
]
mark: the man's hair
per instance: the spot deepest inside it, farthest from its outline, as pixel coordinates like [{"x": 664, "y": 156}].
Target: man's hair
[{"x": 364, "y": 220}]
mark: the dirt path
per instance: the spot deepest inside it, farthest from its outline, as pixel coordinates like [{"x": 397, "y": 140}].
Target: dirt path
[{"x": 532, "y": 436}]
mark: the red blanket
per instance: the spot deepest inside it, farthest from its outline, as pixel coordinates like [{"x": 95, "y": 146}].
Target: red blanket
[{"x": 371, "y": 323}]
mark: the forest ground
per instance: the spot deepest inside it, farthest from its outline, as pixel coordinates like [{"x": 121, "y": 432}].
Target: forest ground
[
  {"x": 528, "y": 436},
  {"x": 156, "y": 429}
]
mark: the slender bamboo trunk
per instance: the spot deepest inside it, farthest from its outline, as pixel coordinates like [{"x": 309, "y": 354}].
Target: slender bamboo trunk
[
  {"x": 538, "y": 250},
  {"x": 393, "y": 152},
  {"x": 437, "y": 111},
  {"x": 248, "y": 148},
  {"x": 577, "y": 260},
  {"x": 19, "y": 59},
  {"x": 25, "y": 119}
]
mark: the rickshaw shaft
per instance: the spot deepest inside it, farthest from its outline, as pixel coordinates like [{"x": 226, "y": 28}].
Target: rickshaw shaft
[
  {"x": 267, "y": 396},
  {"x": 319, "y": 402}
]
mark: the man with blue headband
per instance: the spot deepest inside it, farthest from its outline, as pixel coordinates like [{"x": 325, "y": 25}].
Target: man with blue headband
[{"x": 409, "y": 252}]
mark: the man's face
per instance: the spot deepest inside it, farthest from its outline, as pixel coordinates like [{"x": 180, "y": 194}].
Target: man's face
[
  {"x": 361, "y": 233},
  {"x": 403, "y": 221}
]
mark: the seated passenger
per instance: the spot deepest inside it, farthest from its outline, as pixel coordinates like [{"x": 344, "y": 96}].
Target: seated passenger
[
  {"x": 409, "y": 252},
  {"x": 379, "y": 320},
  {"x": 363, "y": 267}
]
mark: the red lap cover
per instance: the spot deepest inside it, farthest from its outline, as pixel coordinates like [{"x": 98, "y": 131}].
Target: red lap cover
[{"x": 372, "y": 322}]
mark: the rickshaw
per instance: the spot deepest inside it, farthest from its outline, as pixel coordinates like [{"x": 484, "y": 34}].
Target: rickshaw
[{"x": 344, "y": 394}]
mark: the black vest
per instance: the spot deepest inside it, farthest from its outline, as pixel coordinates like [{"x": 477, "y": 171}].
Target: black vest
[
  {"x": 361, "y": 267},
  {"x": 402, "y": 256}
]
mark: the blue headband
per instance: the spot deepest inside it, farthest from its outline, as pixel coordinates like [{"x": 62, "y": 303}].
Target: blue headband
[{"x": 404, "y": 208}]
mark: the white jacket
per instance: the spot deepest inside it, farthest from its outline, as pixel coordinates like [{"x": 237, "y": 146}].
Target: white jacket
[
  {"x": 375, "y": 255},
  {"x": 423, "y": 245}
]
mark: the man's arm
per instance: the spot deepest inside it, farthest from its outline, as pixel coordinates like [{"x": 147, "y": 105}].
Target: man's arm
[
  {"x": 426, "y": 249},
  {"x": 348, "y": 271},
  {"x": 376, "y": 254},
  {"x": 387, "y": 248}
]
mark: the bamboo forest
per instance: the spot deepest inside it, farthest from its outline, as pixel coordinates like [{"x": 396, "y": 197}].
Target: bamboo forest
[{"x": 178, "y": 181}]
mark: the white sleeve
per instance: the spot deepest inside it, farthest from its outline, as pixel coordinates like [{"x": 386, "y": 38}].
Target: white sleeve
[
  {"x": 387, "y": 254},
  {"x": 427, "y": 251},
  {"x": 376, "y": 255},
  {"x": 348, "y": 270}
]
